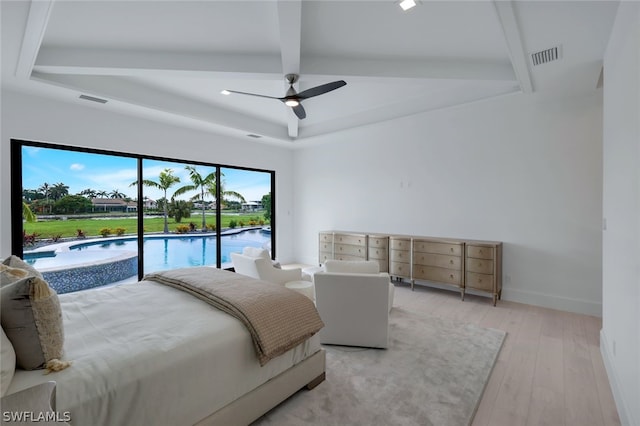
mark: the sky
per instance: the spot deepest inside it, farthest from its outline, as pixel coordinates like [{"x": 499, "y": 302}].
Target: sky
[{"x": 80, "y": 171}]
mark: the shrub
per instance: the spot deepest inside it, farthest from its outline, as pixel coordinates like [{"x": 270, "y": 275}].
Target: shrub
[
  {"x": 211, "y": 226},
  {"x": 105, "y": 232},
  {"x": 56, "y": 237},
  {"x": 253, "y": 222},
  {"x": 29, "y": 239},
  {"x": 233, "y": 223},
  {"x": 80, "y": 234},
  {"x": 120, "y": 231},
  {"x": 261, "y": 222},
  {"x": 182, "y": 229},
  {"x": 241, "y": 223}
]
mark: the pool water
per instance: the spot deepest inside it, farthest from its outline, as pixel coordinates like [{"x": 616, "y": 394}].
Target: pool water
[{"x": 160, "y": 252}]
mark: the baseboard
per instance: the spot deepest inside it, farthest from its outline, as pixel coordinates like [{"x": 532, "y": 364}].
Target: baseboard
[
  {"x": 623, "y": 410},
  {"x": 552, "y": 301}
]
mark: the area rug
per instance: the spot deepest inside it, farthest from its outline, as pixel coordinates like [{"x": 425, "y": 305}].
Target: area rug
[{"x": 433, "y": 373}]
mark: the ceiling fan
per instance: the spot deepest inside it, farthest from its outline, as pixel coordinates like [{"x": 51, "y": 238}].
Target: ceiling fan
[{"x": 292, "y": 98}]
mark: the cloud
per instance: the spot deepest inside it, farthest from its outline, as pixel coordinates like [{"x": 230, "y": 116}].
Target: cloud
[{"x": 77, "y": 166}]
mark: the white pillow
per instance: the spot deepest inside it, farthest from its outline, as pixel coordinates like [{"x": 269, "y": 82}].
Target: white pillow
[{"x": 7, "y": 363}]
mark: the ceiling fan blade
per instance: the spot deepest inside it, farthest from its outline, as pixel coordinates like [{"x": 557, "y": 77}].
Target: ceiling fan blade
[
  {"x": 299, "y": 111},
  {"x": 319, "y": 90},
  {"x": 253, "y": 94}
]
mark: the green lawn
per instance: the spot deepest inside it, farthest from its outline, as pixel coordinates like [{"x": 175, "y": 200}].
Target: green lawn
[{"x": 91, "y": 227}]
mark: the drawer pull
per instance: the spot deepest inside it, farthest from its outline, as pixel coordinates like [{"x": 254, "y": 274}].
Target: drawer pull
[
  {"x": 451, "y": 262},
  {"x": 451, "y": 276}
]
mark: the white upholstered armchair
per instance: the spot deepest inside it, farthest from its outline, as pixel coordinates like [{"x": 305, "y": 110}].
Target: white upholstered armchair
[
  {"x": 354, "y": 300},
  {"x": 263, "y": 269}
]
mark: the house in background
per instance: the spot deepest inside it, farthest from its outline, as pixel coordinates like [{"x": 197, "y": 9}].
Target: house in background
[
  {"x": 113, "y": 205},
  {"x": 515, "y": 121}
]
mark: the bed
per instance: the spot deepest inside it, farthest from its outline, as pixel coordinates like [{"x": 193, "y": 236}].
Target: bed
[{"x": 148, "y": 353}]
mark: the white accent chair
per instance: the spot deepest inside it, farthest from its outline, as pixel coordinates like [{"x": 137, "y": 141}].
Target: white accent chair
[
  {"x": 263, "y": 269},
  {"x": 354, "y": 300}
]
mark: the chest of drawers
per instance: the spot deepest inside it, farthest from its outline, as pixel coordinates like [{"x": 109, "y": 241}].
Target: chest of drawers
[
  {"x": 400, "y": 257},
  {"x": 438, "y": 260},
  {"x": 484, "y": 267}
]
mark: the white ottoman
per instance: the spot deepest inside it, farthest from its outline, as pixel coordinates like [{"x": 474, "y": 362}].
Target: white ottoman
[{"x": 303, "y": 287}]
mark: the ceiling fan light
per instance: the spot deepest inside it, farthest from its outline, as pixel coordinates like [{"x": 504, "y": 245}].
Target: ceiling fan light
[
  {"x": 407, "y": 4},
  {"x": 291, "y": 102},
  {"x": 225, "y": 92}
]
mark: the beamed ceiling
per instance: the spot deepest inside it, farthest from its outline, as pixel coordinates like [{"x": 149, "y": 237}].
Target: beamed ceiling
[{"x": 169, "y": 60}]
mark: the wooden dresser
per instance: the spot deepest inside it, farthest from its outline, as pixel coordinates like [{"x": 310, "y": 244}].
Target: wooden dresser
[
  {"x": 400, "y": 257},
  {"x": 438, "y": 260},
  {"x": 458, "y": 263},
  {"x": 378, "y": 250},
  {"x": 484, "y": 267}
]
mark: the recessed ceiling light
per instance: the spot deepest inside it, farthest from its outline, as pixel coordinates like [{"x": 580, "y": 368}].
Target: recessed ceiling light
[
  {"x": 407, "y": 4},
  {"x": 225, "y": 92}
]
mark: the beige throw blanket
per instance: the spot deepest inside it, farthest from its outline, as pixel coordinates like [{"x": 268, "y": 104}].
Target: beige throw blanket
[{"x": 277, "y": 318}]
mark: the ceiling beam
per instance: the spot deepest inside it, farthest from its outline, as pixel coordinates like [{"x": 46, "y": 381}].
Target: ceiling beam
[
  {"x": 290, "y": 26},
  {"x": 119, "y": 89},
  {"x": 58, "y": 60},
  {"x": 261, "y": 67},
  {"x": 39, "y": 12},
  {"x": 517, "y": 54}
]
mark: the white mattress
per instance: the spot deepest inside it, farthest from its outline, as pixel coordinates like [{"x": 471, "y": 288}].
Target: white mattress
[{"x": 150, "y": 354}]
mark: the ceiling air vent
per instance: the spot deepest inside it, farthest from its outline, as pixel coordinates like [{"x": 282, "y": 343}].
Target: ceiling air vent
[
  {"x": 251, "y": 135},
  {"x": 544, "y": 56},
  {"x": 91, "y": 98}
]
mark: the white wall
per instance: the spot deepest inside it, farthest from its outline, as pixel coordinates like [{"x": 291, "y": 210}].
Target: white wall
[
  {"x": 522, "y": 169},
  {"x": 620, "y": 336},
  {"x": 39, "y": 119}
]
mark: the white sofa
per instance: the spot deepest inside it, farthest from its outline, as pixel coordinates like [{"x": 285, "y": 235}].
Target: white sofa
[{"x": 354, "y": 300}]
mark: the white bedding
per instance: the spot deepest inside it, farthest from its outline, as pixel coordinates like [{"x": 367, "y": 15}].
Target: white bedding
[{"x": 145, "y": 353}]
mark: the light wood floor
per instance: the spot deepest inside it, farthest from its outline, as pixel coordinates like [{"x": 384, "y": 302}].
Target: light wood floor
[{"x": 549, "y": 371}]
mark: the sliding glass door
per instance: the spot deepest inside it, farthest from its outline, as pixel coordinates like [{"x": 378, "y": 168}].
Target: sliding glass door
[{"x": 89, "y": 218}]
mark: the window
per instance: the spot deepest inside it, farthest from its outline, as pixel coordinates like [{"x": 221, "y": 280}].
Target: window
[{"x": 81, "y": 218}]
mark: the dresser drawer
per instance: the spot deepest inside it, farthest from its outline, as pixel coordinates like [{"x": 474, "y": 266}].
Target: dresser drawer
[
  {"x": 441, "y": 260},
  {"x": 400, "y": 256},
  {"x": 328, "y": 247},
  {"x": 483, "y": 266},
  {"x": 356, "y": 240},
  {"x": 399, "y": 269},
  {"x": 432, "y": 273},
  {"x": 378, "y": 253},
  {"x": 400, "y": 243},
  {"x": 350, "y": 250},
  {"x": 324, "y": 256},
  {"x": 347, "y": 257},
  {"x": 383, "y": 264},
  {"x": 326, "y": 237},
  {"x": 439, "y": 248},
  {"x": 479, "y": 281},
  {"x": 378, "y": 242},
  {"x": 480, "y": 252}
]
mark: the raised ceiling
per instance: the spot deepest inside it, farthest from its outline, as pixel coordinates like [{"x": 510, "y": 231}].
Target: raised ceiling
[{"x": 170, "y": 60}]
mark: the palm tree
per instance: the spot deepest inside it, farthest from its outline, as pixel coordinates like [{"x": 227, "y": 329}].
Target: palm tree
[
  {"x": 59, "y": 190},
  {"x": 27, "y": 214},
  {"x": 224, "y": 195},
  {"x": 45, "y": 189},
  {"x": 166, "y": 181},
  {"x": 117, "y": 194},
  {"x": 89, "y": 193},
  {"x": 198, "y": 183}
]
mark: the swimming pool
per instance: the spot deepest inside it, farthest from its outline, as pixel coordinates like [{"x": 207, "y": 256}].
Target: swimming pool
[{"x": 77, "y": 266}]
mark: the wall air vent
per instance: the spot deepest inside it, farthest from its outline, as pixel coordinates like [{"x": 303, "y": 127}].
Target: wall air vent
[
  {"x": 544, "y": 56},
  {"x": 251, "y": 135},
  {"x": 93, "y": 99}
]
